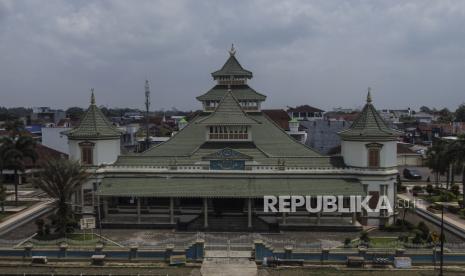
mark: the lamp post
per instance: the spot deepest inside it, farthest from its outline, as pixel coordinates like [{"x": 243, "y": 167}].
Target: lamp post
[{"x": 442, "y": 240}]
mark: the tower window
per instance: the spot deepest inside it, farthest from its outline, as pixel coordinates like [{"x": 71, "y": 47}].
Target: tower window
[
  {"x": 87, "y": 153},
  {"x": 374, "y": 153}
]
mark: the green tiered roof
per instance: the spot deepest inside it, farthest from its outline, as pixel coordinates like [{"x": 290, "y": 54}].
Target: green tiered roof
[
  {"x": 232, "y": 67},
  {"x": 221, "y": 187},
  {"x": 231, "y": 70},
  {"x": 369, "y": 126},
  {"x": 94, "y": 125},
  {"x": 240, "y": 92},
  {"x": 228, "y": 112}
]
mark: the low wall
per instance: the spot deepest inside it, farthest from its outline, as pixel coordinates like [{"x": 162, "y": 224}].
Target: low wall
[{"x": 338, "y": 256}]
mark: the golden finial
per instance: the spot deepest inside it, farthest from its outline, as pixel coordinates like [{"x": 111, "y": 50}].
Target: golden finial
[
  {"x": 92, "y": 96},
  {"x": 232, "y": 52},
  {"x": 369, "y": 95}
]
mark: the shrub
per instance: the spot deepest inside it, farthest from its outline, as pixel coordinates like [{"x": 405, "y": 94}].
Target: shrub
[
  {"x": 417, "y": 188},
  {"x": 423, "y": 229},
  {"x": 461, "y": 213},
  {"x": 429, "y": 189},
  {"x": 40, "y": 227},
  {"x": 455, "y": 190},
  {"x": 403, "y": 237},
  {"x": 418, "y": 236},
  {"x": 347, "y": 242},
  {"x": 47, "y": 229},
  {"x": 364, "y": 236},
  {"x": 446, "y": 196}
]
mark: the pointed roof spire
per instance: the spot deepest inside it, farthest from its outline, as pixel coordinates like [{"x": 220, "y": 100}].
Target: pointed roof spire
[
  {"x": 232, "y": 51},
  {"x": 92, "y": 96},
  {"x": 232, "y": 67},
  {"x": 369, "y": 95}
]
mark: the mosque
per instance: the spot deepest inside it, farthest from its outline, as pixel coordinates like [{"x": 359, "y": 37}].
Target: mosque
[{"x": 215, "y": 171}]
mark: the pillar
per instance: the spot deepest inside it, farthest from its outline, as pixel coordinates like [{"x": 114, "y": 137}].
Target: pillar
[
  {"x": 205, "y": 213},
  {"x": 318, "y": 218},
  {"x": 138, "y": 210},
  {"x": 171, "y": 210},
  {"x": 284, "y": 218},
  {"x": 249, "y": 212},
  {"x": 105, "y": 207},
  {"x": 82, "y": 199},
  {"x": 354, "y": 218}
]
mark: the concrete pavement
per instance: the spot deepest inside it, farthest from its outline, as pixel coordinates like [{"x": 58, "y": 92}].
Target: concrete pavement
[{"x": 25, "y": 216}]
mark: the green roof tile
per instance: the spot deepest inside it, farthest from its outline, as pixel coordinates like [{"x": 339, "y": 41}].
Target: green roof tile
[
  {"x": 226, "y": 187},
  {"x": 240, "y": 92},
  {"x": 369, "y": 125},
  {"x": 228, "y": 112},
  {"x": 93, "y": 125},
  {"x": 232, "y": 67}
]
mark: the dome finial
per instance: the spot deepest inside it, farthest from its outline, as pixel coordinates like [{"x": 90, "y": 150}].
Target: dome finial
[
  {"x": 369, "y": 95},
  {"x": 232, "y": 52},
  {"x": 92, "y": 96}
]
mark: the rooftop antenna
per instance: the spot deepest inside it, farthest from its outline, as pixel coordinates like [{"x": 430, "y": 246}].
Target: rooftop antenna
[{"x": 147, "y": 107}]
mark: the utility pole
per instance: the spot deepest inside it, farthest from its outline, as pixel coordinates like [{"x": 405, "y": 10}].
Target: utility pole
[
  {"x": 442, "y": 241},
  {"x": 147, "y": 107}
]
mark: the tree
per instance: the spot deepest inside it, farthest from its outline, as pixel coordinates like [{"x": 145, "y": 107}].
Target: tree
[
  {"x": 59, "y": 179},
  {"x": 460, "y": 113},
  {"x": 74, "y": 113},
  {"x": 456, "y": 150},
  {"x": 437, "y": 158},
  {"x": 426, "y": 109},
  {"x": 3, "y": 196},
  {"x": 445, "y": 116},
  {"x": 14, "y": 151}
]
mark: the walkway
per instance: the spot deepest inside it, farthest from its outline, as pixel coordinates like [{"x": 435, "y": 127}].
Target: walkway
[
  {"x": 25, "y": 216},
  {"x": 228, "y": 267}
]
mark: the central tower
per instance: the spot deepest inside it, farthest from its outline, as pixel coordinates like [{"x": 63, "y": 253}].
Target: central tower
[{"x": 232, "y": 76}]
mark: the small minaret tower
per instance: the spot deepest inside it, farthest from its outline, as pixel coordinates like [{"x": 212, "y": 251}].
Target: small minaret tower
[
  {"x": 95, "y": 141},
  {"x": 147, "y": 107},
  {"x": 369, "y": 142}
]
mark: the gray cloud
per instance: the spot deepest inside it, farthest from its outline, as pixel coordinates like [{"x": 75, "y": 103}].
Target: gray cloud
[{"x": 324, "y": 53}]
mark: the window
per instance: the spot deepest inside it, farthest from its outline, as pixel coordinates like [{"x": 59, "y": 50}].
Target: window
[
  {"x": 374, "y": 150},
  {"x": 87, "y": 152},
  {"x": 228, "y": 133},
  {"x": 373, "y": 158}
]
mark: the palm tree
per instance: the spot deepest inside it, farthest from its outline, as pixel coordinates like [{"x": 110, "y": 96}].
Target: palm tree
[
  {"x": 14, "y": 151},
  {"x": 59, "y": 179},
  {"x": 437, "y": 159},
  {"x": 456, "y": 150}
]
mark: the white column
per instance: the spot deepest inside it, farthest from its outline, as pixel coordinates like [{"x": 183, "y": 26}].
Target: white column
[
  {"x": 171, "y": 210},
  {"x": 249, "y": 210},
  {"x": 82, "y": 199},
  {"x": 138, "y": 209},
  {"x": 354, "y": 218},
  {"x": 205, "y": 213}
]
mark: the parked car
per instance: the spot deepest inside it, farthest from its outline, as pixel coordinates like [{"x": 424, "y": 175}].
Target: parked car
[{"x": 411, "y": 174}]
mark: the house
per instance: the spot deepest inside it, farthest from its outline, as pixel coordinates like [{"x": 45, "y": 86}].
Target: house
[{"x": 305, "y": 112}]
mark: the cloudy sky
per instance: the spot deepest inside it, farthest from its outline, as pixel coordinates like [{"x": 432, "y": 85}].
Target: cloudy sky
[{"x": 323, "y": 53}]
